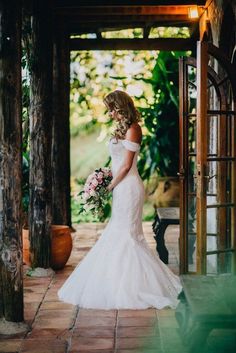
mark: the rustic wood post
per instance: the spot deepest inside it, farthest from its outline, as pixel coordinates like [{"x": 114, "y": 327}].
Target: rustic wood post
[
  {"x": 61, "y": 212},
  {"x": 11, "y": 264},
  {"x": 40, "y": 133}
]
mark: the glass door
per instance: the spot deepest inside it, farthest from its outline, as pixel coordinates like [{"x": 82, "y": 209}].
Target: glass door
[
  {"x": 207, "y": 163},
  {"x": 187, "y": 171}
]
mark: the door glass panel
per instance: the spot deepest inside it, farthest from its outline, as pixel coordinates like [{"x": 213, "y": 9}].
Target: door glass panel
[
  {"x": 221, "y": 260},
  {"x": 219, "y": 209},
  {"x": 219, "y": 182},
  {"x": 192, "y": 174},
  {"x": 192, "y": 133},
  {"x": 212, "y": 229},
  {"x": 212, "y": 134},
  {"x": 219, "y": 187},
  {"x": 191, "y": 170},
  {"x": 191, "y": 233},
  {"x": 212, "y": 264}
]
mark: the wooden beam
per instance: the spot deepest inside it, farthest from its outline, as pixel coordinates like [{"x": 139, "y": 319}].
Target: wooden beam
[
  {"x": 146, "y": 31},
  {"x": 125, "y": 10},
  {"x": 131, "y": 44},
  {"x": 81, "y": 3},
  {"x": 114, "y": 18},
  {"x": 81, "y": 28},
  {"x": 61, "y": 212},
  {"x": 11, "y": 264},
  {"x": 98, "y": 34},
  {"x": 40, "y": 134},
  {"x": 119, "y": 14}
]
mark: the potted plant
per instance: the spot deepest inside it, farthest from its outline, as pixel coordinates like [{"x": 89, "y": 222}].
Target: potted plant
[
  {"x": 61, "y": 245},
  {"x": 61, "y": 240}
]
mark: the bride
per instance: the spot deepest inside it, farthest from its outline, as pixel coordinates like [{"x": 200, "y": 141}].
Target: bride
[{"x": 121, "y": 271}]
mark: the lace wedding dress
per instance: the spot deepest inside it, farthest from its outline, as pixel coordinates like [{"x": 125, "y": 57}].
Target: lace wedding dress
[{"x": 121, "y": 271}]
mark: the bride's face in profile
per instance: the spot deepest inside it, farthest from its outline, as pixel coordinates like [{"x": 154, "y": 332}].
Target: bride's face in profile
[{"x": 114, "y": 114}]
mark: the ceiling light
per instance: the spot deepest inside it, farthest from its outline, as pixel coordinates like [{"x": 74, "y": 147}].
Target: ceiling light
[{"x": 193, "y": 12}]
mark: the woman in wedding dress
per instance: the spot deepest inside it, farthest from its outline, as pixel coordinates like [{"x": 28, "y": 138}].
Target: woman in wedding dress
[{"x": 121, "y": 271}]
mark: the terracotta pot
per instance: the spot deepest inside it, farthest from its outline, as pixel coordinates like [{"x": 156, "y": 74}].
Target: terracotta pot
[
  {"x": 26, "y": 246},
  {"x": 61, "y": 246}
]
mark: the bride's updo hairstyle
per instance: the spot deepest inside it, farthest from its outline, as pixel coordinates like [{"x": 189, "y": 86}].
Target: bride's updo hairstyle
[{"x": 123, "y": 104}]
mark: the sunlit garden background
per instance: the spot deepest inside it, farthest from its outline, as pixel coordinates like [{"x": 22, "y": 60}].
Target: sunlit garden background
[{"x": 151, "y": 78}]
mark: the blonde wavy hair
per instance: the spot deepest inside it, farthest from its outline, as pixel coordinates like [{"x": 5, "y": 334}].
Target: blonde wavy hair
[{"x": 123, "y": 104}]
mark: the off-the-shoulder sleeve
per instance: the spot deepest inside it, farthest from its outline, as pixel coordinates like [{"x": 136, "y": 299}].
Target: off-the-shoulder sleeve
[{"x": 130, "y": 145}]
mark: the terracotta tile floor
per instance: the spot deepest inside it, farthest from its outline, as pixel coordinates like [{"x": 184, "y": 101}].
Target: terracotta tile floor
[{"x": 57, "y": 327}]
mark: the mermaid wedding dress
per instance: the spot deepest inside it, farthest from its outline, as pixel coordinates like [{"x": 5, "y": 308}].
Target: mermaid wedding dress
[{"x": 121, "y": 271}]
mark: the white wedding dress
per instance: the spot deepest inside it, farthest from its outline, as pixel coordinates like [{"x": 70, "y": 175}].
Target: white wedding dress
[{"x": 121, "y": 271}]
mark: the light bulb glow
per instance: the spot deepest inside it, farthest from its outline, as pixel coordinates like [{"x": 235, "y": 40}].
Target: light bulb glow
[{"x": 193, "y": 12}]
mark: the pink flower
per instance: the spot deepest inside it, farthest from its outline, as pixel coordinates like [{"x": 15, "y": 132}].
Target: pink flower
[{"x": 94, "y": 182}]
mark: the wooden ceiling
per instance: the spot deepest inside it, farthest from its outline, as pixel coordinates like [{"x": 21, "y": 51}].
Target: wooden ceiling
[{"x": 96, "y": 16}]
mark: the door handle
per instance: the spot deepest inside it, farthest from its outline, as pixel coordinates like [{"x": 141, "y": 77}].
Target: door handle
[
  {"x": 208, "y": 177},
  {"x": 181, "y": 174}
]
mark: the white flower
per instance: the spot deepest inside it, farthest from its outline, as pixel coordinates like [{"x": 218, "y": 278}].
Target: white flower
[
  {"x": 100, "y": 175},
  {"x": 93, "y": 193},
  {"x": 86, "y": 196},
  {"x": 89, "y": 178},
  {"x": 89, "y": 207}
]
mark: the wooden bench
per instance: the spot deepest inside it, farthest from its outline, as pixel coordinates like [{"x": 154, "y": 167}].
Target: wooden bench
[
  {"x": 165, "y": 216},
  {"x": 206, "y": 303}
]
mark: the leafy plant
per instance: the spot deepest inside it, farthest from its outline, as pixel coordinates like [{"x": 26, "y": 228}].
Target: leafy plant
[{"x": 159, "y": 152}]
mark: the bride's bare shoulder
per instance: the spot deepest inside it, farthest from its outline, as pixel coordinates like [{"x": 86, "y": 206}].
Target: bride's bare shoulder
[{"x": 134, "y": 133}]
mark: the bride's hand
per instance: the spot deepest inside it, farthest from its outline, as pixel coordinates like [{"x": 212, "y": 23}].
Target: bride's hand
[{"x": 109, "y": 187}]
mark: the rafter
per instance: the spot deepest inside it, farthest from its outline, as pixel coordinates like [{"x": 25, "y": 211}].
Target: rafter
[
  {"x": 87, "y": 16},
  {"x": 131, "y": 44},
  {"x": 125, "y": 10},
  {"x": 74, "y": 3}
]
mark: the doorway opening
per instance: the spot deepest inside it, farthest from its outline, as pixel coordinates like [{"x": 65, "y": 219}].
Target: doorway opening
[{"x": 154, "y": 86}]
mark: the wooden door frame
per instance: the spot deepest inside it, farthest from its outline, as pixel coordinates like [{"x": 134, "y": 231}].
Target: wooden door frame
[{"x": 201, "y": 150}]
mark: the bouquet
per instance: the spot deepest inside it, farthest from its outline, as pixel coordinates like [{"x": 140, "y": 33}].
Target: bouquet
[{"x": 94, "y": 195}]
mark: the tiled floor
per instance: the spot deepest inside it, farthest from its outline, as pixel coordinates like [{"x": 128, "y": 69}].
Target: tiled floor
[{"x": 57, "y": 327}]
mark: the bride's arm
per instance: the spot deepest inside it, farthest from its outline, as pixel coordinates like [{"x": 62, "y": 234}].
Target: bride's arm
[
  {"x": 124, "y": 169},
  {"x": 133, "y": 134}
]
